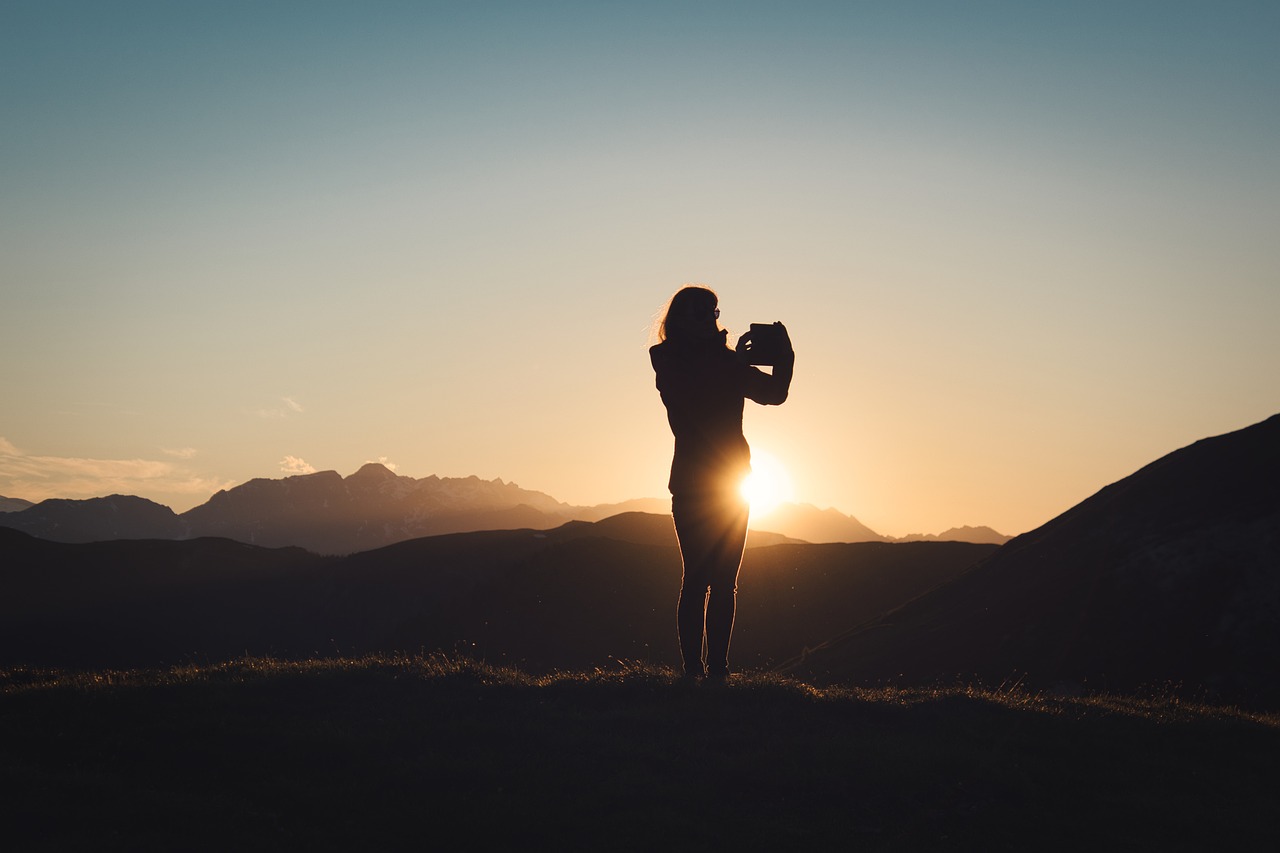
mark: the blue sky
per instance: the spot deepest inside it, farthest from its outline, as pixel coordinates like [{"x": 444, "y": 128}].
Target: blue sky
[{"x": 1022, "y": 250}]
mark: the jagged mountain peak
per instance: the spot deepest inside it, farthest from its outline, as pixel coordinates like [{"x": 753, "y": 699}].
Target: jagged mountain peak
[{"x": 374, "y": 471}]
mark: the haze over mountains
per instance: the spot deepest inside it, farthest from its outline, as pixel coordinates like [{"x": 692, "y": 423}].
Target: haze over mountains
[
  {"x": 1168, "y": 579},
  {"x": 329, "y": 514}
]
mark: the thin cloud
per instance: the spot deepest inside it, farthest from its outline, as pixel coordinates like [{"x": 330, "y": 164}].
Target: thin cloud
[
  {"x": 294, "y": 465},
  {"x": 37, "y": 478},
  {"x": 288, "y": 406},
  {"x": 181, "y": 452}
]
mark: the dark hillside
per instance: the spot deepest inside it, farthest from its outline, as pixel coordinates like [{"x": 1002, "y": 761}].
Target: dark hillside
[
  {"x": 562, "y": 599},
  {"x": 1170, "y": 576},
  {"x": 139, "y": 602},
  {"x": 572, "y": 597}
]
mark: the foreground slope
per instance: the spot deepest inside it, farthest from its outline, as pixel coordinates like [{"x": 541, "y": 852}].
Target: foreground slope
[
  {"x": 1171, "y": 575},
  {"x": 425, "y": 753}
]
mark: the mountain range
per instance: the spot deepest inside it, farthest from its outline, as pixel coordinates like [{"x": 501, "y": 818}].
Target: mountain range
[
  {"x": 329, "y": 514},
  {"x": 1166, "y": 580}
]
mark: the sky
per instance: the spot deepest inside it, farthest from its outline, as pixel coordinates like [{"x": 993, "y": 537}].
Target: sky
[{"x": 1022, "y": 249}]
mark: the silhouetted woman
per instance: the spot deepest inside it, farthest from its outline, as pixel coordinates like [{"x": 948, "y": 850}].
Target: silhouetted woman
[{"x": 703, "y": 384}]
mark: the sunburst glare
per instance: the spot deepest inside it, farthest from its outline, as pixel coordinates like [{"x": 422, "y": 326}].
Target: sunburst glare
[{"x": 768, "y": 485}]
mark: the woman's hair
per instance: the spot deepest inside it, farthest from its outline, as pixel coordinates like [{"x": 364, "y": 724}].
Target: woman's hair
[{"x": 690, "y": 302}]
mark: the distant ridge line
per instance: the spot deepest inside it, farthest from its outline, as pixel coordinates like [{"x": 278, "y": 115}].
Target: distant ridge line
[{"x": 329, "y": 514}]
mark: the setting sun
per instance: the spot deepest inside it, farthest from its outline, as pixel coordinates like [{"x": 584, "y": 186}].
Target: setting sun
[{"x": 768, "y": 485}]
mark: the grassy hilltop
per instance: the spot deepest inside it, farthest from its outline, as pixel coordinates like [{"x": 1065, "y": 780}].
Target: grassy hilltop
[{"x": 403, "y": 753}]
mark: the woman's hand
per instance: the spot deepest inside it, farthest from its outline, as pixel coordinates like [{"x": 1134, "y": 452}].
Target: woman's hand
[
  {"x": 773, "y": 349},
  {"x": 784, "y": 340}
]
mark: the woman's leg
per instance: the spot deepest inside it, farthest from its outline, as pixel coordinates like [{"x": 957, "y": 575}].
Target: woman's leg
[
  {"x": 690, "y": 616},
  {"x": 722, "y": 601},
  {"x": 712, "y": 530},
  {"x": 696, "y": 546}
]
